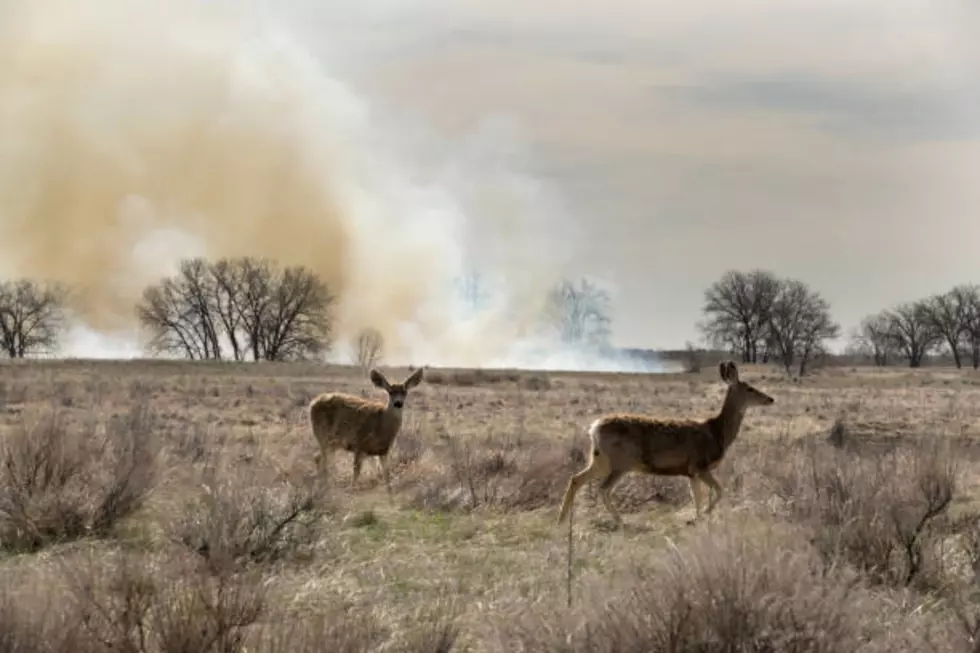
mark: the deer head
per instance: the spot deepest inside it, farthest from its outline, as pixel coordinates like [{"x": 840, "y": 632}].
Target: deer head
[
  {"x": 397, "y": 392},
  {"x": 741, "y": 392}
]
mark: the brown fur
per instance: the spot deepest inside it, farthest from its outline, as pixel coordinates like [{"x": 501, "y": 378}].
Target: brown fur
[
  {"x": 623, "y": 443},
  {"x": 363, "y": 427}
]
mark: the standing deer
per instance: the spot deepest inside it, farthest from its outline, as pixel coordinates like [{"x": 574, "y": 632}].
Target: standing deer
[
  {"x": 363, "y": 427},
  {"x": 624, "y": 443}
]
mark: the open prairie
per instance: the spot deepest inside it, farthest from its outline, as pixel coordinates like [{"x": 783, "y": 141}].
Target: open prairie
[{"x": 169, "y": 506}]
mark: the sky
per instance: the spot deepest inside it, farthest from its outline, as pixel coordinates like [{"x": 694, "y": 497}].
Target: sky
[
  {"x": 648, "y": 144},
  {"x": 831, "y": 141}
]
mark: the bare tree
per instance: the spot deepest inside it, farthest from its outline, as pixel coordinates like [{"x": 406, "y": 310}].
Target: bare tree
[
  {"x": 368, "y": 348},
  {"x": 172, "y": 325},
  {"x": 579, "y": 313},
  {"x": 254, "y": 299},
  {"x": 874, "y": 337},
  {"x": 473, "y": 291},
  {"x": 32, "y": 317},
  {"x": 198, "y": 287},
  {"x": 911, "y": 332},
  {"x": 297, "y": 324},
  {"x": 968, "y": 296},
  {"x": 228, "y": 290},
  {"x": 946, "y": 315},
  {"x": 738, "y": 309},
  {"x": 249, "y": 305},
  {"x": 180, "y": 315},
  {"x": 799, "y": 324}
]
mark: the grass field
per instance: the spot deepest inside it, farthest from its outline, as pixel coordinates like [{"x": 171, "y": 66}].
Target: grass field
[{"x": 163, "y": 506}]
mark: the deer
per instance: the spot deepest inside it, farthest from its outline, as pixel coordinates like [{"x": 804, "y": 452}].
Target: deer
[
  {"x": 361, "y": 426},
  {"x": 623, "y": 443}
]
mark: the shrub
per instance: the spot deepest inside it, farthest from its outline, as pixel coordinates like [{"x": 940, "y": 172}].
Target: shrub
[
  {"x": 235, "y": 521},
  {"x": 884, "y": 514},
  {"x": 62, "y": 482},
  {"x": 134, "y": 603},
  {"x": 475, "y": 377},
  {"x": 722, "y": 591},
  {"x": 32, "y": 620}
]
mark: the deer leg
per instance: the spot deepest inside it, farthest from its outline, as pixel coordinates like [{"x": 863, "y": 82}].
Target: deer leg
[
  {"x": 599, "y": 467},
  {"x": 696, "y": 489},
  {"x": 715, "y": 487},
  {"x": 383, "y": 461},
  {"x": 323, "y": 459},
  {"x": 605, "y": 488},
  {"x": 358, "y": 459}
]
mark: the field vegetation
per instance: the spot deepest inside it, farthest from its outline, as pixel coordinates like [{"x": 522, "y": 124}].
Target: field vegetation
[{"x": 174, "y": 507}]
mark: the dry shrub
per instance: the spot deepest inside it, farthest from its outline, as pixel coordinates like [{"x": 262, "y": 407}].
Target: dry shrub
[
  {"x": 497, "y": 475},
  {"x": 541, "y": 475},
  {"x": 437, "y": 631},
  {"x": 543, "y": 471},
  {"x": 355, "y": 631},
  {"x": 536, "y": 382},
  {"x": 454, "y": 485},
  {"x": 502, "y": 475},
  {"x": 883, "y": 514},
  {"x": 34, "y": 620},
  {"x": 408, "y": 448},
  {"x": 839, "y": 435},
  {"x": 471, "y": 378},
  {"x": 101, "y": 600},
  {"x": 638, "y": 492},
  {"x": 195, "y": 443},
  {"x": 962, "y": 591},
  {"x": 128, "y": 602},
  {"x": 137, "y": 604},
  {"x": 751, "y": 589},
  {"x": 237, "y": 519},
  {"x": 337, "y": 631},
  {"x": 60, "y": 481}
]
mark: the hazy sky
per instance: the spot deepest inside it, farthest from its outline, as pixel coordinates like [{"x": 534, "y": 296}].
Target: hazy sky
[
  {"x": 392, "y": 144},
  {"x": 834, "y": 141}
]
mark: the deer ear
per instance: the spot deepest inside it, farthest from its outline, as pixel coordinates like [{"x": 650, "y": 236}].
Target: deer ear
[
  {"x": 728, "y": 372},
  {"x": 415, "y": 379},
  {"x": 378, "y": 379},
  {"x": 732, "y": 372}
]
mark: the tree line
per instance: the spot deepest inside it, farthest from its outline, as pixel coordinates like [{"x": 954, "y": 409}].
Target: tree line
[
  {"x": 252, "y": 309},
  {"x": 763, "y": 318},
  {"x": 944, "y": 324}
]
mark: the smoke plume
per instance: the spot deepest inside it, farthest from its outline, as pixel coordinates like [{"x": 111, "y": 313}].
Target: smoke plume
[{"x": 136, "y": 134}]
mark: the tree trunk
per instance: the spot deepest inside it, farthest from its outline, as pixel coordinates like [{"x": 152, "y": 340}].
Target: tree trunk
[{"x": 954, "y": 347}]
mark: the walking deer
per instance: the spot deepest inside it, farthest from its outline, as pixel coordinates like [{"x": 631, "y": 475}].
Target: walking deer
[
  {"x": 623, "y": 443},
  {"x": 363, "y": 427}
]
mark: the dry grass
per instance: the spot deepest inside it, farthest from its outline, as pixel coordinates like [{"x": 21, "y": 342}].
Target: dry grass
[{"x": 158, "y": 506}]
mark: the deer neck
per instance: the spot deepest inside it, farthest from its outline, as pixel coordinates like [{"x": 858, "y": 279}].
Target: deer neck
[
  {"x": 392, "y": 417},
  {"x": 728, "y": 422}
]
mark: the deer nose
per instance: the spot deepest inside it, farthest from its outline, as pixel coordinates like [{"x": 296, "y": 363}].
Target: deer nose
[{"x": 399, "y": 404}]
